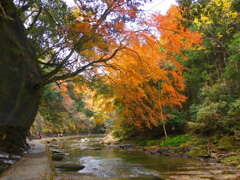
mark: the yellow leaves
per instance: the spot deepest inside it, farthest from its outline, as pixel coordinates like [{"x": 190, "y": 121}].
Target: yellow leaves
[
  {"x": 219, "y": 35},
  {"x": 100, "y": 119},
  {"x": 217, "y": 11}
]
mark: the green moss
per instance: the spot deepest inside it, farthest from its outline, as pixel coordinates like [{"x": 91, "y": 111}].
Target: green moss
[
  {"x": 215, "y": 138},
  {"x": 143, "y": 143},
  {"x": 153, "y": 143},
  {"x": 232, "y": 160},
  {"x": 176, "y": 141},
  {"x": 198, "y": 151},
  {"x": 226, "y": 143}
]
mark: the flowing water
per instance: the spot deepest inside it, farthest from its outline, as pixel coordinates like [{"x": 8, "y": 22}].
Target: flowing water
[{"x": 114, "y": 164}]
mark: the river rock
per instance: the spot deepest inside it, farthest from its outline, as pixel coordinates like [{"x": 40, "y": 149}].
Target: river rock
[
  {"x": 126, "y": 146},
  {"x": 199, "y": 151},
  {"x": 15, "y": 157},
  {"x": 226, "y": 143},
  {"x": 4, "y": 155},
  {"x": 70, "y": 167},
  {"x": 57, "y": 158},
  {"x": 7, "y": 161},
  {"x": 53, "y": 145},
  {"x": 56, "y": 151},
  {"x": 97, "y": 148}
]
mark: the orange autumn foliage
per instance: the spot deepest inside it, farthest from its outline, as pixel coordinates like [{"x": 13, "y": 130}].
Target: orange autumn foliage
[
  {"x": 62, "y": 87},
  {"x": 149, "y": 77}
]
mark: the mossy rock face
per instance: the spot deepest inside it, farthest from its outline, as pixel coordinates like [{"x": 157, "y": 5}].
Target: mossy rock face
[
  {"x": 226, "y": 143},
  {"x": 199, "y": 151},
  {"x": 189, "y": 144},
  {"x": 232, "y": 161}
]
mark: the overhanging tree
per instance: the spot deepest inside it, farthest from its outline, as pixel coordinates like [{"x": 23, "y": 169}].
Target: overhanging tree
[
  {"x": 53, "y": 45},
  {"x": 149, "y": 79}
]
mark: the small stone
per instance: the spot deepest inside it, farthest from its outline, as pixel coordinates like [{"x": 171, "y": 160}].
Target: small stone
[
  {"x": 57, "y": 158},
  {"x": 71, "y": 167}
]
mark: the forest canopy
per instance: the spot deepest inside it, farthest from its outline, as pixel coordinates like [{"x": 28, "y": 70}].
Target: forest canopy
[
  {"x": 140, "y": 67},
  {"x": 163, "y": 69},
  {"x": 112, "y": 65}
]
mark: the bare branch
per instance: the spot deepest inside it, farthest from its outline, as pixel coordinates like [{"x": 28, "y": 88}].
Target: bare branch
[
  {"x": 35, "y": 18},
  {"x": 4, "y": 14},
  {"x": 83, "y": 68}
]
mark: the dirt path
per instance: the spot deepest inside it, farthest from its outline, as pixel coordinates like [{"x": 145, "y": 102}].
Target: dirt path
[{"x": 35, "y": 165}]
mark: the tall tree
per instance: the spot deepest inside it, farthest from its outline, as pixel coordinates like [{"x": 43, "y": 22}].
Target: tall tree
[
  {"x": 149, "y": 79},
  {"x": 54, "y": 45},
  {"x": 215, "y": 66},
  {"x": 20, "y": 80}
]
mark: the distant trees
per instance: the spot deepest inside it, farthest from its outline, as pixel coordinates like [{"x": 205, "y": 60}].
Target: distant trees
[{"x": 213, "y": 84}]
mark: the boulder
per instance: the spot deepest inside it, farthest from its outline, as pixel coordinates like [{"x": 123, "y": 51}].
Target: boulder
[
  {"x": 70, "y": 167},
  {"x": 198, "y": 151},
  {"x": 126, "y": 146},
  {"x": 226, "y": 143},
  {"x": 57, "y": 158}
]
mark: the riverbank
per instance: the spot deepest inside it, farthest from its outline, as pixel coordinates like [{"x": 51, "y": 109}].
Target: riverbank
[
  {"x": 37, "y": 162},
  {"x": 105, "y": 159},
  {"x": 224, "y": 150}
]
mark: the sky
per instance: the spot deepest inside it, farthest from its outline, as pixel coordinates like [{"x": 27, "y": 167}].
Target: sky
[
  {"x": 156, "y": 5},
  {"x": 160, "y": 5}
]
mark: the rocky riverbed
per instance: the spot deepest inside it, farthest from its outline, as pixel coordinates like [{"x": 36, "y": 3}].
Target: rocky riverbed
[
  {"x": 7, "y": 160},
  {"x": 205, "y": 166},
  {"x": 225, "y": 150}
]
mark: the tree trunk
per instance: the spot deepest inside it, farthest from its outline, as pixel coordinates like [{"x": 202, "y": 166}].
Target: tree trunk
[{"x": 20, "y": 77}]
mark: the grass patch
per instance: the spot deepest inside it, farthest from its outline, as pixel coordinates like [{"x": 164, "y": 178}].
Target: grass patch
[
  {"x": 176, "y": 141},
  {"x": 149, "y": 143},
  {"x": 153, "y": 143},
  {"x": 143, "y": 143}
]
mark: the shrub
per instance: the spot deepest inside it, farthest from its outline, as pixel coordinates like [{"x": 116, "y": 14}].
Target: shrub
[
  {"x": 176, "y": 141},
  {"x": 143, "y": 143},
  {"x": 153, "y": 143},
  {"x": 219, "y": 112},
  {"x": 177, "y": 118},
  {"x": 193, "y": 110}
]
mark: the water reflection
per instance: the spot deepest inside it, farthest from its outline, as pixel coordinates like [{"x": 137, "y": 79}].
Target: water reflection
[{"x": 114, "y": 164}]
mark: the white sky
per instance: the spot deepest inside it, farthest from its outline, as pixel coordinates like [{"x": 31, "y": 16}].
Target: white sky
[
  {"x": 160, "y": 5},
  {"x": 156, "y": 5}
]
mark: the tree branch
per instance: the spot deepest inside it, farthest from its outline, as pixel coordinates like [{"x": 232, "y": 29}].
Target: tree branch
[
  {"x": 35, "y": 19},
  {"x": 4, "y": 14},
  {"x": 83, "y": 68}
]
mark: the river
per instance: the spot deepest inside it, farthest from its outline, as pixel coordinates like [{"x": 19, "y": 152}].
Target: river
[{"x": 111, "y": 163}]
